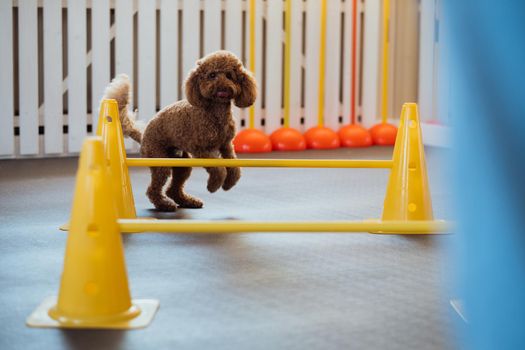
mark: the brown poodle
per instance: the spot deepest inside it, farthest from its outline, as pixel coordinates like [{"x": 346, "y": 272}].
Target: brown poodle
[{"x": 201, "y": 126}]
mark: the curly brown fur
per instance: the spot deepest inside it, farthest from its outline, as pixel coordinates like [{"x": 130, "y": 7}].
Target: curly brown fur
[{"x": 201, "y": 126}]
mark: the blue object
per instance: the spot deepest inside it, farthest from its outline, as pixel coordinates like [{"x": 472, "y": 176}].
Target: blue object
[{"x": 487, "y": 110}]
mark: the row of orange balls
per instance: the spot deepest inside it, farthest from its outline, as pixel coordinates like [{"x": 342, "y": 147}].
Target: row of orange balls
[{"x": 252, "y": 140}]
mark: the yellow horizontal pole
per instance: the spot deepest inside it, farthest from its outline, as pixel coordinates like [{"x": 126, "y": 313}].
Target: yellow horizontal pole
[
  {"x": 259, "y": 163},
  {"x": 229, "y": 226}
]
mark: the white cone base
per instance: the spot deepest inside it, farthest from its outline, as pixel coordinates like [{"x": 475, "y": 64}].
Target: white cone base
[{"x": 40, "y": 318}]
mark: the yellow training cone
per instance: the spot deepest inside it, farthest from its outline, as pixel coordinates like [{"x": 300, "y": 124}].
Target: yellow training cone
[
  {"x": 110, "y": 129},
  {"x": 408, "y": 194},
  {"x": 94, "y": 290},
  {"x": 113, "y": 139}
]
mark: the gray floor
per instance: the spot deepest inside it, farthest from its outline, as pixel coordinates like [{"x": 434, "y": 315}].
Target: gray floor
[{"x": 249, "y": 291}]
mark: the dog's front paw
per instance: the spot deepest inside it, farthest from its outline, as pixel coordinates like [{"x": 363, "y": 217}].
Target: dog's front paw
[
  {"x": 232, "y": 177},
  {"x": 216, "y": 179},
  {"x": 165, "y": 206}
]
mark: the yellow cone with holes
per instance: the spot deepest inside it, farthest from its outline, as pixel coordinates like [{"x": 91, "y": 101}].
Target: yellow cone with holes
[
  {"x": 110, "y": 129},
  {"x": 94, "y": 287},
  {"x": 94, "y": 290},
  {"x": 408, "y": 194},
  {"x": 116, "y": 155}
]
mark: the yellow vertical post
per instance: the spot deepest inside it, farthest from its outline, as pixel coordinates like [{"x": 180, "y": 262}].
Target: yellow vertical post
[
  {"x": 287, "y": 60},
  {"x": 113, "y": 139},
  {"x": 408, "y": 194},
  {"x": 322, "y": 66},
  {"x": 385, "y": 60},
  {"x": 94, "y": 291},
  {"x": 384, "y": 133}
]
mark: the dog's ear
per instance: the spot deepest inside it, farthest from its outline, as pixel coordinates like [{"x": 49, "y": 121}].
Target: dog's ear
[
  {"x": 193, "y": 92},
  {"x": 248, "y": 89}
]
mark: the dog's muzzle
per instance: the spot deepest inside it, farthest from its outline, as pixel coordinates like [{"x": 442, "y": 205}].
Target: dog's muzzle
[{"x": 223, "y": 93}]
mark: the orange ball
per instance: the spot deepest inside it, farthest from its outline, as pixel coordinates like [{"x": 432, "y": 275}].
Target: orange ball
[
  {"x": 320, "y": 137},
  {"x": 287, "y": 139},
  {"x": 384, "y": 134},
  {"x": 252, "y": 141},
  {"x": 353, "y": 135}
]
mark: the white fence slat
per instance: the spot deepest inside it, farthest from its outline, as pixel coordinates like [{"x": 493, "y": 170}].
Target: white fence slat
[
  {"x": 233, "y": 27},
  {"x": 146, "y": 53},
  {"x": 28, "y": 51},
  {"x": 124, "y": 37},
  {"x": 371, "y": 60},
  {"x": 312, "y": 63},
  {"x": 100, "y": 54},
  {"x": 77, "y": 84},
  {"x": 190, "y": 35},
  {"x": 442, "y": 95},
  {"x": 426, "y": 59},
  {"x": 347, "y": 62},
  {"x": 274, "y": 62},
  {"x": 359, "y": 65},
  {"x": 212, "y": 25},
  {"x": 169, "y": 43},
  {"x": 53, "y": 109},
  {"x": 124, "y": 11},
  {"x": 6, "y": 82},
  {"x": 233, "y": 39},
  {"x": 296, "y": 65},
  {"x": 333, "y": 70}
]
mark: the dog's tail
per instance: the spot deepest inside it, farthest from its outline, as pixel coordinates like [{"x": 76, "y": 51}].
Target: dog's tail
[{"x": 120, "y": 90}]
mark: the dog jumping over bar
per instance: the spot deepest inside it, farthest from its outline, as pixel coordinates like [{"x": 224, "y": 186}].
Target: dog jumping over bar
[{"x": 200, "y": 126}]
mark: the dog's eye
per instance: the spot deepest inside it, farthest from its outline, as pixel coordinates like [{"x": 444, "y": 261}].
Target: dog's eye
[
  {"x": 212, "y": 75},
  {"x": 229, "y": 75}
]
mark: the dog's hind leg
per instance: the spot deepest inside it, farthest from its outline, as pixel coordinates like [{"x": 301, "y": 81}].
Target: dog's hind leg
[
  {"x": 159, "y": 176},
  {"x": 176, "y": 188}
]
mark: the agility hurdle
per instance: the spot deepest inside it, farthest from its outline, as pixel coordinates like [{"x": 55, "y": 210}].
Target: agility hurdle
[
  {"x": 407, "y": 201},
  {"x": 94, "y": 291}
]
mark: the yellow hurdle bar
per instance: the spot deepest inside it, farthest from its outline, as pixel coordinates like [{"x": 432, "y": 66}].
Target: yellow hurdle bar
[
  {"x": 229, "y": 226},
  {"x": 259, "y": 163}
]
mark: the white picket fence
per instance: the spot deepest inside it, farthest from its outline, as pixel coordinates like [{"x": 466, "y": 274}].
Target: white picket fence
[
  {"x": 66, "y": 51},
  {"x": 434, "y": 84}
]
